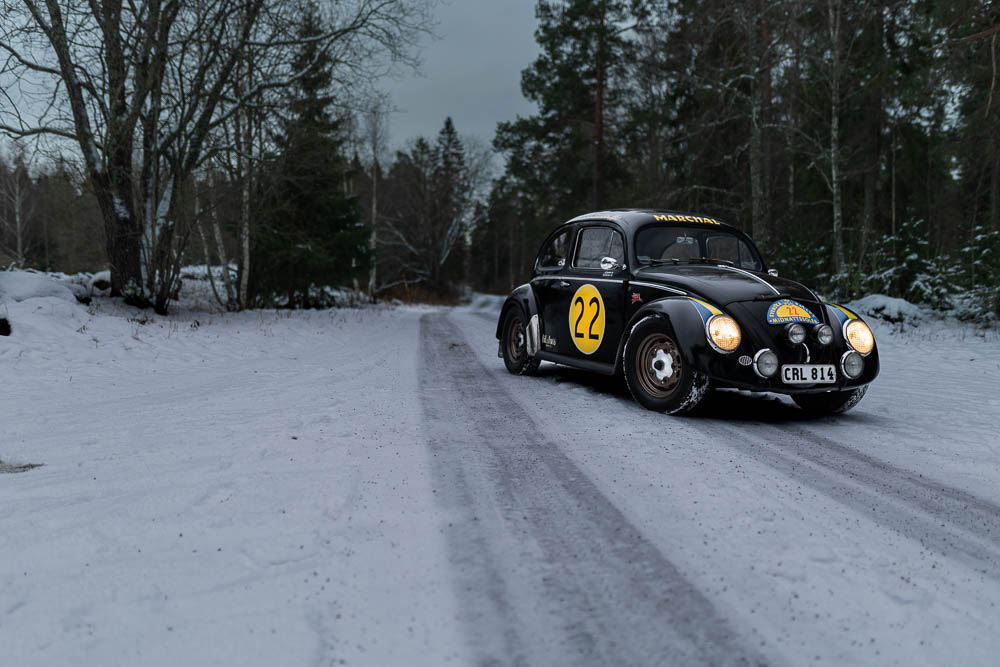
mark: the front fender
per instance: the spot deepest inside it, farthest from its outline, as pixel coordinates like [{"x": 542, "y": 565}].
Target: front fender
[
  {"x": 523, "y": 297},
  {"x": 685, "y": 324}
]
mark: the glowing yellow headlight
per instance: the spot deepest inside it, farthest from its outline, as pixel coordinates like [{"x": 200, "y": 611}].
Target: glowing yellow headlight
[
  {"x": 859, "y": 336},
  {"x": 724, "y": 332}
]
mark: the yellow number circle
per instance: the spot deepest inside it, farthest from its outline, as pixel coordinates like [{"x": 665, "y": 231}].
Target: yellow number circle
[{"x": 586, "y": 319}]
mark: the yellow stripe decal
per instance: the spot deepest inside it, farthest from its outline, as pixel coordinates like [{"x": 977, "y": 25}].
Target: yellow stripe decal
[
  {"x": 850, "y": 315},
  {"x": 712, "y": 309}
]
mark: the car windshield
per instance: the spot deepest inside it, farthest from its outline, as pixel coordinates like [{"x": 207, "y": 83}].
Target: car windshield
[{"x": 658, "y": 244}]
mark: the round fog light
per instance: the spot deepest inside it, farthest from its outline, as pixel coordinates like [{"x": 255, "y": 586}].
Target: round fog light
[
  {"x": 765, "y": 363},
  {"x": 853, "y": 364},
  {"x": 796, "y": 333},
  {"x": 824, "y": 334}
]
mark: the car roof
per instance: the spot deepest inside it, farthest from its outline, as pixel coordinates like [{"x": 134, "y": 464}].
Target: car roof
[{"x": 633, "y": 218}]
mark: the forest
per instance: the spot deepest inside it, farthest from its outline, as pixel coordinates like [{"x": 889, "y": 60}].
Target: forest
[{"x": 857, "y": 141}]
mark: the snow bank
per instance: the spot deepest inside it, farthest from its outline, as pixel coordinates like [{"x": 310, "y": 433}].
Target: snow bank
[
  {"x": 890, "y": 309},
  {"x": 24, "y": 285},
  {"x": 486, "y": 302}
]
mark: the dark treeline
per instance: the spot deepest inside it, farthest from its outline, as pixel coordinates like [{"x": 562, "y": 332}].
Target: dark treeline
[
  {"x": 47, "y": 218},
  {"x": 857, "y": 140}
]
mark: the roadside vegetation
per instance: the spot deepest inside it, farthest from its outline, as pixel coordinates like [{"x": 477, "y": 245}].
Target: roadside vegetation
[{"x": 857, "y": 141}]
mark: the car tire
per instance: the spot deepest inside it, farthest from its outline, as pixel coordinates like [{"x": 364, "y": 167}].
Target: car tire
[
  {"x": 655, "y": 371},
  {"x": 514, "y": 344},
  {"x": 830, "y": 403}
]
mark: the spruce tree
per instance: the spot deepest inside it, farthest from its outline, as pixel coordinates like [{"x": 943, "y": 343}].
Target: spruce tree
[
  {"x": 564, "y": 154},
  {"x": 314, "y": 235}
]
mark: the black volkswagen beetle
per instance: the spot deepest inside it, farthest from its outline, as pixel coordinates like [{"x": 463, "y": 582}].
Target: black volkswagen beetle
[{"x": 678, "y": 303}]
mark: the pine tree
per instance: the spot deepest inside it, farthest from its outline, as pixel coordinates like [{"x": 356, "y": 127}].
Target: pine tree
[
  {"x": 562, "y": 155},
  {"x": 314, "y": 235}
]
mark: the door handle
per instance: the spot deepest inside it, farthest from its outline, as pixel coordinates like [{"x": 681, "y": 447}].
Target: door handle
[{"x": 562, "y": 283}]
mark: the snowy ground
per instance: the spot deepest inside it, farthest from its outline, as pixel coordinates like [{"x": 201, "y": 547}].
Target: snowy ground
[{"x": 370, "y": 487}]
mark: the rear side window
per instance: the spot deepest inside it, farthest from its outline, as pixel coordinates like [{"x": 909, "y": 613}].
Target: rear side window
[
  {"x": 597, "y": 243},
  {"x": 553, "y": 256}
]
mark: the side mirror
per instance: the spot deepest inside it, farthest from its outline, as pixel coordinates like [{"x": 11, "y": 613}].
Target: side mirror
[
  {"x": 610, "y": 264},
  {"x": 772, "y": 272}
]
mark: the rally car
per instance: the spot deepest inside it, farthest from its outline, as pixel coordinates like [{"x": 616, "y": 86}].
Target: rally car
[{"x": 679, "y": 303}]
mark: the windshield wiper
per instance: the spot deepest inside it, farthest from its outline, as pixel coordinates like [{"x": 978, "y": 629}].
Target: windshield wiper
[
  {"x": 689, "y": 260},
  {"x": 714, "y": 260}
]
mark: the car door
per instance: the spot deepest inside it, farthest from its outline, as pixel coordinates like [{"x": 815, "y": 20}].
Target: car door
[
  {"x": 594, "y": 302},
  {"x": 552, "y": 290}
]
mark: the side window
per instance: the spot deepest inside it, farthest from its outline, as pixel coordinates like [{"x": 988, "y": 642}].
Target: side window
[
  {"x": 723, "y": 247},
  {"x": 597, "y": 243},
  {"x": 747, "y": 260},
  {"x": 731, "y": 249},
  {"x": 554, "y": 254}
]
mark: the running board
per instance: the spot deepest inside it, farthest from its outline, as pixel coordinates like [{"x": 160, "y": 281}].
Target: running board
[{"x": 595, "y": 366}]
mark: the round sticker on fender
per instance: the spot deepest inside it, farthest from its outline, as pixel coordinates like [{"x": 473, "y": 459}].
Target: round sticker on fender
[{"x": 586, "y": 319}]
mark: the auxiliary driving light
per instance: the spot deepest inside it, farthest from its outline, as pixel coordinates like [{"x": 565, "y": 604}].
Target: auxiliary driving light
[
  {"x": 823, "y": 333},
  {"x": 859, "y": 336},
  {"x": 853, "y": 364},
  {"x": 796, "y": 333},
  {"x": 724, "y": 333},
  {"x": 765, "y": 363}
]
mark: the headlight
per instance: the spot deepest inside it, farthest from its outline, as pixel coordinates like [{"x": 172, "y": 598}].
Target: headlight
[
  {"x": 823, "y": 333},
  {"x": 859, "y": 336},
  {"x": 765, "y": 363},
  {"x": 724, "y": 333},
  {"x": 852, "y": 364},
  {"x": 796, "y": 333}
]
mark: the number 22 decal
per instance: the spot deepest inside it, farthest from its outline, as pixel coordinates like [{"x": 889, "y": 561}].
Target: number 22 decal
[
  {"x": 586, "y": 319},
  {"x": 596, "y": 305}
]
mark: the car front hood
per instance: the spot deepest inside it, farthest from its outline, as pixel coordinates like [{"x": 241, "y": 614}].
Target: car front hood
[{"x": 722, "y": 284}]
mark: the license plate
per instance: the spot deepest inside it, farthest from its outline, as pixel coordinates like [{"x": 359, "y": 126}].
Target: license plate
[{"x": 809, "y": 374}]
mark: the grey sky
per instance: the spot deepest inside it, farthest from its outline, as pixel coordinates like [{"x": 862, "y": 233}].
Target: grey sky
[{"x": 471, "y": 73}]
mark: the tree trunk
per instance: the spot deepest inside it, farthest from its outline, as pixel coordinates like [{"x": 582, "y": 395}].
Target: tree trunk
[
  {"x": 18, "y": 220},
  {"x": 995, "y": 193},
  {"x": 760, "y": 223},
  {"x": 599, "y": 111},
  {"x": 873, "y": 168},
  {"x": 373, "y": 239},
  {"x": 244, "y": 242},
  {"x": 204, "y": 242},
  {"x": 838, "y": 214}
]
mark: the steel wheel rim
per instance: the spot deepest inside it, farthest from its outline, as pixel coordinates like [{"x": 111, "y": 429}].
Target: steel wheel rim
[
  {"x": 657, "y": 348},
  {"x": 515, "y": 339}
]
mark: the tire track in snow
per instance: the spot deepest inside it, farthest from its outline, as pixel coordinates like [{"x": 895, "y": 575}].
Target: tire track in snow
[
  {"x": 941, "y": 518},
  {"x": 548, "y": 570}
]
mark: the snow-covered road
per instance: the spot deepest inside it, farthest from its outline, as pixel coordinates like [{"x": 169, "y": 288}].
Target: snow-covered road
[{"x": 370, "y": 487}]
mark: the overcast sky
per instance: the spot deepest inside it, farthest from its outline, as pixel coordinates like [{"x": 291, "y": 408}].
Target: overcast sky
[{"x": 472, "y": 72}]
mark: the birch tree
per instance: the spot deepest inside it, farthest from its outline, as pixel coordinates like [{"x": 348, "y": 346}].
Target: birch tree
[
  {"x": 16, "y": 208},
  {"x": 376, "y": 137}
]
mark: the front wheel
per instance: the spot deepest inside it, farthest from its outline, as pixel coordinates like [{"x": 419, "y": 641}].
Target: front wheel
[
  {"x": 514, "y": 344},
  {"x": 830, "y": 403},
  {"x": 656, "y": 373}
]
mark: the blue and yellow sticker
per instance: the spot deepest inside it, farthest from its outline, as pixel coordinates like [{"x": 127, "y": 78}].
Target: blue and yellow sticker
[
  {"x": 841, "y": 313},
  {"x": 784, "y": 311},
  {"x": 705, "y": 309}
]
